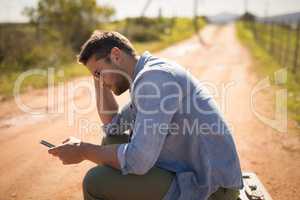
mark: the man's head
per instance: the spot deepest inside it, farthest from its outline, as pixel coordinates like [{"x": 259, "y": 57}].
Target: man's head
[{"x": 111, "y": 56}]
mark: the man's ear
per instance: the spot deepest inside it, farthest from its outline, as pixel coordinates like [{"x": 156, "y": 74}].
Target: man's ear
[{"x": 115, "y": 55}]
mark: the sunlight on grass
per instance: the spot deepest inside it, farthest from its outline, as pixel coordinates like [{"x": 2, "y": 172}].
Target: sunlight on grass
[
  {"x": 265, "y": 65},
  {"x": 182, "y": 29}
]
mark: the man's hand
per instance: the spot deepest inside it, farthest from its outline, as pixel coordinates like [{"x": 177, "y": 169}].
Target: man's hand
[
  {"x": 70, "y": 152},
  {"x": 73, "y": 151},
  {"x": 107, "y": 105}
]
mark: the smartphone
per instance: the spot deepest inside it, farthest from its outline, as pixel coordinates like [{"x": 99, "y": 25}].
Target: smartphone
[{"x": 47, "y": 144}]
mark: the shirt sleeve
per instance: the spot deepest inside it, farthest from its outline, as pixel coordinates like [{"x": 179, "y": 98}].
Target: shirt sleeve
[
  {"x": 156, "y": 97},
  {"x": 120, "y": 122}
]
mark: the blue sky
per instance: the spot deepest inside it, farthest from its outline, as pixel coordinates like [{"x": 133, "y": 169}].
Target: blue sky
[{"x": 11, "y": 10}]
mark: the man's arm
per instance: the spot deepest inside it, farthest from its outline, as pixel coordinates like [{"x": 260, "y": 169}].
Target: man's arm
[
  {"x": 106, "y": 154},
  {"x": 113, "y": 122},
  {"x": 73, "y": 151},
  {"x": 107, "y": 105},
  {"x": 141, "y": 153},
  {"x": 157, "y": 97}
]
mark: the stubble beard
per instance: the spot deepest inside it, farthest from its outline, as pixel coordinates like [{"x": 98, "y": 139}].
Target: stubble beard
[{"x": 121, "y": 87}]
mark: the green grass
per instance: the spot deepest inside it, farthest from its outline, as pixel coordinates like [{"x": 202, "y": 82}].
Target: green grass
[
  {"x": 182, "y": 29},
  {"x": 7, "y": 81},
  {"x": 265, "y": 65}
]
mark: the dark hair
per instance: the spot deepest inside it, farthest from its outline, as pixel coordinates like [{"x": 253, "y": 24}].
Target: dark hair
[{"x": 100, "y": 44}]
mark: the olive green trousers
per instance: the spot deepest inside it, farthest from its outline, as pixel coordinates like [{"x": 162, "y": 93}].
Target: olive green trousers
[{"x": 105, "y": 183}]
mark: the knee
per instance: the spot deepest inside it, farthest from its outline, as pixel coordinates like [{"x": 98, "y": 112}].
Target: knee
[
  {"x": 87, "y": 182},
  {"x": 98, "y": 182},
  {"x": 90, "y": 183}
]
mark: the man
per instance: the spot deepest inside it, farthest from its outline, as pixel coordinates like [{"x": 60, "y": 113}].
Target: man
[{"x": 178, "y": 146}]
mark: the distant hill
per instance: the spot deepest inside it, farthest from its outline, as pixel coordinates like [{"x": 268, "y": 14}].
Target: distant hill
[
  {"x": 223, "y": 18},
  {"x": 285, "y": 18}
]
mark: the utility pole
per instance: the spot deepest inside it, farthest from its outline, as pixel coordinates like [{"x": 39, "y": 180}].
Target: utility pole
[
  {"x": 160, "y": 13},
  {"x": 196, "y": 4},
  {"x": 196, "y": 25},
  {"x": 146, "y": 8},
  {"x": 266, "y": 11},
  {"x": 246, "y": 6}
]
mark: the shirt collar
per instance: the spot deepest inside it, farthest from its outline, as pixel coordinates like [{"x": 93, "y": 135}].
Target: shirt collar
[{"x": 141, "y": 63}]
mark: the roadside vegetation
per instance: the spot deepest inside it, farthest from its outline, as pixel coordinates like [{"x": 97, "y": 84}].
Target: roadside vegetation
[
  {"x": 267, "y": 62},
  {"x": 57, "y": 29}
]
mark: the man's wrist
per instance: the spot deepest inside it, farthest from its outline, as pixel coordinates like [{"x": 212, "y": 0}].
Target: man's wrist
[{"x": 83, "y": 150}]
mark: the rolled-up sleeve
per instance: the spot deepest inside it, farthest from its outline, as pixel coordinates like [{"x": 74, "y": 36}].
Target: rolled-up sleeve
[
  {"x": 121, "y": 122},
  {"x": 156, "y": 98}
]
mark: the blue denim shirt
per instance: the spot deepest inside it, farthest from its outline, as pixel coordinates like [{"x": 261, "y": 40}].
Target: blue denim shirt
[{"x": 176, "y": 126}]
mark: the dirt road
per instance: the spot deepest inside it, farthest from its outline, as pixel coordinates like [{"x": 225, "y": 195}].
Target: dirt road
[{"x": 28, "y": 172}]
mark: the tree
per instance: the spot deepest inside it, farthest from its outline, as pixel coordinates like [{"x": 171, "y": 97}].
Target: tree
[{"x": 73, "y": 19}]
